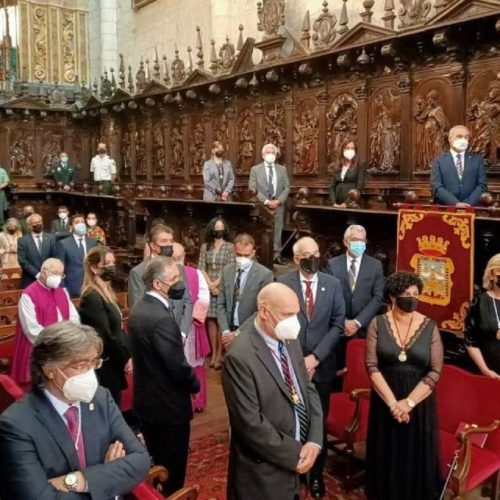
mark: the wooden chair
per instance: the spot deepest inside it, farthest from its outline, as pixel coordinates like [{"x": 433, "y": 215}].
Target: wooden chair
[
  {"x": 189, "y": 493},
  {"x": 465, "y": 398},
  {"x": 10, "y": 297},
  {"x": 347, "y": 420},
  {"x": 9, "y": 392},
  {"x": 10, "y": 284}
]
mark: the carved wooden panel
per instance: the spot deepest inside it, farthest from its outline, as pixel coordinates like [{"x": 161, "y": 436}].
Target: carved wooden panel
[
  {"x": 197, "y": 145},
  {"x": 221, "y": 129},
  {"x": 432, "y": 107},
  {"x": 21, "y": 152},
  {"x": 140, "y": 150},
  {"x": 341, "y": 125},
  {"x": 246, "y": 140},
  {"x": 385, "y": 130},
  {"x": 158, "y": 149},
  {"x": 306, "y": 136},
  {"x": 274, "y": 130},
  {"x": 126, "y": 150},
  {"x": 177, "y": 147},
  {"x": 52, "y": 145},
  {"x": 483, "y": 115}
]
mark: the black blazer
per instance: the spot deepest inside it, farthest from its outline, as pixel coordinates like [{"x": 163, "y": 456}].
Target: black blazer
[
  {"x": 321, "y": 334},
  {"x": 35, "y": 446},
  {"x": 163, "y": 379},
  {"x": 30, "y": 259},
  {"x": 364, "y": 302},
  {"x": 106, "y": 319},
  {"x": 354, "y": 179}
]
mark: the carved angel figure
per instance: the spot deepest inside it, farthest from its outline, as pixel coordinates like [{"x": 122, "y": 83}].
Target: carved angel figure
[
  {"x": 177, "y": 152},
  {"x": 246, "y": 141},
  {"x": 198, "y": 148},
  {"x": 306, "y": 135},
  {"x": 158, "y": 151},
  {"x": 274, "y": 129}
]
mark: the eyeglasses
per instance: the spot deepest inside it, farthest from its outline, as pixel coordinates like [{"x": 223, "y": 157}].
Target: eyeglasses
[
  {"x": 54, "y": 273},
  {"x": 85, "y": 365}
]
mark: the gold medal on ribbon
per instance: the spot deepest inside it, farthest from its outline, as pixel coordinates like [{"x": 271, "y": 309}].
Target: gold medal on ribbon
[{"x": 295, "y": 398}]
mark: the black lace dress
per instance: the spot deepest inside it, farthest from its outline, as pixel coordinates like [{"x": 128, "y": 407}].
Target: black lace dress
[{"x": 402, "y": 459}]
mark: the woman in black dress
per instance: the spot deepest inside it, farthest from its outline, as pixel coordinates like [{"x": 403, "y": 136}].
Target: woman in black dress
[
  {"x": 404, "y": 356},
  {"x": 482, "y": 325},
  {"x": 100, "y": 310},
  {"x": 347, "y": 175}
]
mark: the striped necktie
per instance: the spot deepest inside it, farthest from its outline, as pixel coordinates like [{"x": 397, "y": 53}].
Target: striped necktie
[
  {"x": 352, "y": 274},
  {"x": 298, "y": 404}
]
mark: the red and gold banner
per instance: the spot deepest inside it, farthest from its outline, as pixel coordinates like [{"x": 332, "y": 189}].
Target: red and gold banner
[{"x": 439, "y": 247}]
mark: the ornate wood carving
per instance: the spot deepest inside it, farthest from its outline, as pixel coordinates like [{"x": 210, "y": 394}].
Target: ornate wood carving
[
  {"x": 126, "y": 150},
  {"x": 40, "y": 42},
  {"x": 324, "y": 29},
  {"x": 306, "y": 137},
  {"x": 385, "y": 133},
  {"x": 51, "y": 148},
  {"x": 198, "y": 144},
  {"x": 68, "y": 45},
  {"x": 177, "y": 147},
  {"x": 21, "y": 153},
  {"x": 271, "y": 14},
  {"x": 342, "y": 125},
  {"x": 178, "y": 69},
  {"x": 274, "y": 131},
  {"x": 246, "y": 141},
  {"x": 140, "y": 151},
  {"x": 158, "y": 150},
  {"x": 413, "y": 12},
  {"x": 221, "y": 130}
]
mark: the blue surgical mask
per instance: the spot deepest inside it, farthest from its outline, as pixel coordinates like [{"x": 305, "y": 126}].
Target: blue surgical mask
[
  {"x": 80, "y": 229},
  {"x": 357, "y": 248},
  {"x": 64, "y": 159}
]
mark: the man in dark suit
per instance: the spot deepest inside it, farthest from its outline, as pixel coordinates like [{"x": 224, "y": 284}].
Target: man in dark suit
[
  {"x": 270, "y": 182},
  {"x": 62, "y": 171},
  {"x": 458, "y": 176},
  {"x": 321, "y": 317},
  {"x": 65, "y": 440},
  {"x": 274, "y": 410},
  {"x": 71, "y": 251},
  {"x": 163, "y": 379},
  {"x": 240, "y": 284},
  {"x": 61, "y": 226},
  {"x": 27, "y": 211},
  {"x": 33, "y": 249},
  {"x": 161, "y": 242}
]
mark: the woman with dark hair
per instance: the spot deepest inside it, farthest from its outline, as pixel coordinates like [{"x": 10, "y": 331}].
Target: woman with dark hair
[
  {"x": 100, "y": 310},
  {"x": 404, "y": 356},
  {"x": 347, "y": 175},
  {"x": 215, "y": 253}
]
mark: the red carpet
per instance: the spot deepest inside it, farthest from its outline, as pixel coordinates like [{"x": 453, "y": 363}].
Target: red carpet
[{"x": 207, "y": 467}]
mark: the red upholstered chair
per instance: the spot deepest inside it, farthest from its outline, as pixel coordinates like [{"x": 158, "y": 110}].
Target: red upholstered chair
[
  {"x": 465, "y": 398},
  {"x": 9, "y": 392},
  {"x": 146, "y": 489},
  {"x": 126, "y": 403},
  {"x": 347, "y": 419}
]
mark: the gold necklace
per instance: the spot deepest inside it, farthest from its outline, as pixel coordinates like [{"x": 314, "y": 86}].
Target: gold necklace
[{"x": 402, "y": 353}]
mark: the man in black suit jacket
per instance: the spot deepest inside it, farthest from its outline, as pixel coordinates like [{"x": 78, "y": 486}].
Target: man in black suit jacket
[
  {"x": 56, "y": 442},
  {"x": 71, "y": 251},
  {"x": 321, "y": 319},
  {"x": 33, "y": 249},
  {"x": 61, "y": 226},
  {"x": 458, "y": 176},
  {"x": 274, "y": 410},
  {"x": 163, "y": 380}
]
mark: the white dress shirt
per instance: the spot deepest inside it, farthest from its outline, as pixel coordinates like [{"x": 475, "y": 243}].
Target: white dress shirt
[
  {"x": 314, "y": 285},
  {"x": 165, "y": 302},
  {"x": 243, "y": 280},
  {"x": 344, "y": 170},
  {"x": 103, "y": 168},
  {"x": 60, "y": 406},
  {"x": 27, "y": 316}
]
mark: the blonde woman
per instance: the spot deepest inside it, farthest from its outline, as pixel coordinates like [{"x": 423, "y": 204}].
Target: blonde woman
[
  {"x": 482, "y": 325},
  {"x": 100, "y": 310},
  {"x": 8, "y": 243}
]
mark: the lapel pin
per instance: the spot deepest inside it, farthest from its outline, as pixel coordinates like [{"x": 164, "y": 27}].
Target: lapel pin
[
  {"x": 91, "y": 407},
  {"x": 322, "y": 288}
]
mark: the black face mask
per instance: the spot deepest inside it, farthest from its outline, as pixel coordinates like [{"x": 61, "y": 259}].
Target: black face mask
[
  {"x": 219, "y": 154},
  {"x": 310, "y": 264},
  {"x": 176, "y": 290},
  {"x": 167, "y": 250},
  {"x": 219, "y": 234},
  {"x": 11, "y": 231},
  {"x": 108, "y": 273},
  {"x": 28, "y": 214},
  {"x": 407, "y": 304},
  {"x": 37, "y": 228},
  {"x": 101, "y": 151}
]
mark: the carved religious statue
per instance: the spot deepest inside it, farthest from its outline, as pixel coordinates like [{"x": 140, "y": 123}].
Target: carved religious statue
[
  {"x": 197, "y": 148},
  {"x": 158, "y": 151},
  {"x": 271, "y": 14},
  {"x": 274, "y": 126},
  {"x": 177, "y": 141},
  {"x": 306, "y": 139},
  {"x": 484, "y": 118},
  {"x": 432, "y": 129},
  {"x": 21, "y": 156},
  {"x": 246, "y": 139},
  {"x": 127, "y": 153},
  {"x": 140, "y": 152}
]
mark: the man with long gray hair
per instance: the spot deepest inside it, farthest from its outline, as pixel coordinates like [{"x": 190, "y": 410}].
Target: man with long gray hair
[{"x": 67, "y": 438}]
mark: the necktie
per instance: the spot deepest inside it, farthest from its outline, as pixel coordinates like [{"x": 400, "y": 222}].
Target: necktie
[
  {"x": 73, "y": 420},
  {"x": 299, "y": 405},
  {"x": 309, "y": 299},
  {"x": 460, "y": 166},
  {"x": 221, "y": 173},
  {"x": 236, "y": 298},
  {"x": 38, "y": 241},
  {"x": 270, "y": 187},
  {"x": 352, "y": 274},
  {"x": 80, "y": 245}
]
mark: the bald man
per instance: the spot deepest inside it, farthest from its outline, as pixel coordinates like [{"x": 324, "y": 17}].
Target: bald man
[
  {"x": 274, "y": 410},
  {"x": 458, "y": 176}
]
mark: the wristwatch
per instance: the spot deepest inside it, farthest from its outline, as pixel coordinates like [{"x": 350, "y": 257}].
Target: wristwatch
[
  {"x": 411, "y": 403},
  {"x": 71, "y": 482}
]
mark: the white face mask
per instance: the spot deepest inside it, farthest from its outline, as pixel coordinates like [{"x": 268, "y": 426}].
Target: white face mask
[
  {"x": 270, "y": 158},
  {"x": 243, "y": 262},
  {"x": 63, "y": 215},
  {"x": 53, "y": 281},
  {"x": 288, "y": 328},
  {"x": 460, "y": 144},
  {"x": 349, "y": 154},
  {"x": 91, "y": 222},
  {"x": 80, "y": 388}
]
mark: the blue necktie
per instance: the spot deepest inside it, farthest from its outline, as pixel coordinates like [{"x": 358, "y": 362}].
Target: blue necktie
[{"x": 270, "y": 188}]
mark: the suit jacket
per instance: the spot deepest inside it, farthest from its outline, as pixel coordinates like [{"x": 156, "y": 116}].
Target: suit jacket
[
  {"x": 258, "y": 277},
  {"x": 447, "y": 187},
  {"x": 35, "y": 446},
  {"x": 30, "y": 259},
  {"x": 163, "y": 379},
  {"x": 62, "y": 172},
  {"x": 320, "y": 335},
  {"x": 354, "y": 179},
  {"x": 59, "y": 230},
  {"x": 263, "y": 451},
  {"x": 182, "y": 308},
  {"x": 212, "y": 185},
  {"x": 364, "y": 302},
  {"x": 68, "y": 252},
  {"x": 259, "y": 182}
]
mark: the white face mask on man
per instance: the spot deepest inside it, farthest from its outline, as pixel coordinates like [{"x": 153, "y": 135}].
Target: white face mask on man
[
  {"x": 460, "y": 145},
  {"x": 243, "y": 262},
  {"x": 288, "y": 328},
  {"x": 80, "y": 388},
  {"x": 53, "y": 281},
  {"x": 270, "y": 158}
]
